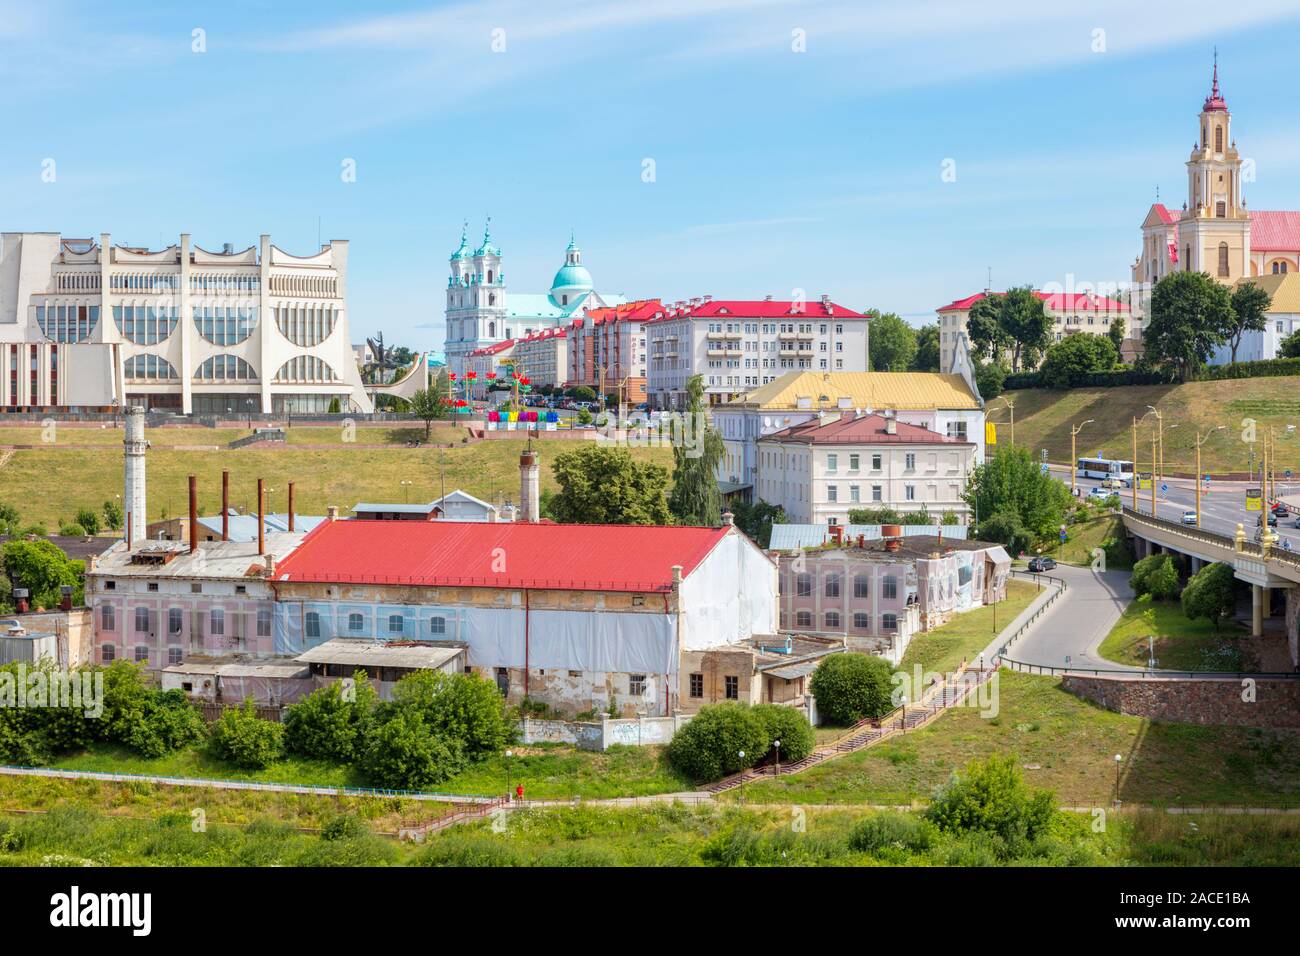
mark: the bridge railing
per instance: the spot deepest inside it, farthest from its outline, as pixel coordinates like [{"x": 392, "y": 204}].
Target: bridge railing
[
  {"x": 1252, "y": 548},
  {"x": 1058, "y": 586},
  {"x": 1146, "y": 673}
]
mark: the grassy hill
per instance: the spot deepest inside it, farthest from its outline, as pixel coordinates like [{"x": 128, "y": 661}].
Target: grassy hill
[
  {"x": 1044, "y": 417},
  {"x": 84, "y": 468}
]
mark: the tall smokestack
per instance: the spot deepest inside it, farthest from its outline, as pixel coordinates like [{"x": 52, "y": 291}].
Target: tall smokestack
[
  {"x": 291, "y": 506},
  {"x": 134, "y": 445},
  {"x": 194, "y": 514},
  {"x": 261, "y": 518},
  {"x": 529, "y": 496},
  {"x": 225, "y": 506}
]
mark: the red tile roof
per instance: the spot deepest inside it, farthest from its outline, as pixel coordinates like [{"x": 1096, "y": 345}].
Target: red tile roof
[
  {"x": 468, "y": 554},
  {"x": 848, "y": 429},
  {"x": 494, "y": 348},
  {"x": 1056, "y": 301},
  {"x": 639, "y": 311},
  {"x": 1167, "y": 217},
  {"x": 1278, "y": 231},
  {"x": 758, "y": 309}
]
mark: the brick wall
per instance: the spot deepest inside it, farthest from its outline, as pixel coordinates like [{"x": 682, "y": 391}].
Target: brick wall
[{"x": 1276, "y": 703}]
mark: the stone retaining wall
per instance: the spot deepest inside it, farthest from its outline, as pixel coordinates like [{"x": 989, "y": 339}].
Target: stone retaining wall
[{"x": 1236, "y": 702}]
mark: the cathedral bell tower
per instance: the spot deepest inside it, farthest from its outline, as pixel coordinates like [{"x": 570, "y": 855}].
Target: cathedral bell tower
[{"x": 1214, "y": 230}]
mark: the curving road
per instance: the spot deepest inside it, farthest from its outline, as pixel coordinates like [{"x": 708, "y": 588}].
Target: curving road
[{"x": 1073, "y": 627}]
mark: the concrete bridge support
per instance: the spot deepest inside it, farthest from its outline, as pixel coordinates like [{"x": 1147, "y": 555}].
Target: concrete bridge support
[{"x": 1256, "y": 611}]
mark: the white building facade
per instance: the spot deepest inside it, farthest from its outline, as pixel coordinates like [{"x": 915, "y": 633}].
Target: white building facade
[
  {"x": 821, "y": 470},
  {"x": 739, "y": 345},
  {"x": 86, "y": 324}
]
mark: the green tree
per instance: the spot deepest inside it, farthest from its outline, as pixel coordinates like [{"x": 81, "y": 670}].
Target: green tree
[
  {"x": 603, "y": 485},
  {"x": 581, "y": 393},
  {"x": 9, "y": 521},
  {"x": 989, "y": 378},
  {"x": 1250, "y": 305},
  {"x": 851, "y": 686},
  {"x": 402, "y": 752},
  {"x": 1290, "y": 347},
  {"x": 927, "y": 349},
  {"x": 1116, "y": 334},
  {"x": 88, "y": 519},
  {"x": 1211, "y": 593},
  {"x": 1011, "y": 482},
  {"x": 1006, "y": 528},
  {"x": 874, "y": 516},
  {"x": 335, "y": 406},
  {"x": 242, "y": 738},
  {"x": 1077, "y": 354},
  {"x": 430, "y": 404},
  {"x": 466, "y": 708},
  {"x": 992, "y": 796},
  {"x": 988, "y": 339},
  {"x": 1023, "y": 317},
  {"x": 697, "y": 450},
  {"x": 1155, "y": 575},
  {"x": 165, "y": 723},
  {"x": 711, "y": 745},
  {"x": 112, "y": 515},
  {"x": 756, "y": 520},
  {"x": 1190, "y": 315},
  {"x": 789, "y": 726},
  {"x": 330, "y": 722},
  {"x": 893, "y": 344},
  {"x": 42, "y": 568}
]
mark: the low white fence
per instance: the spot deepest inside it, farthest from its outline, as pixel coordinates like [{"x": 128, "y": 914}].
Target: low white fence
[{"x": 601, "y": 734}]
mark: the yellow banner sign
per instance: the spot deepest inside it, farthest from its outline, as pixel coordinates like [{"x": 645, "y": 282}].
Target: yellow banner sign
[
  {"x": 990, "y": 433},
  {"x": 1254, "y": 499},
  {"x": 1144, "y": 482}
]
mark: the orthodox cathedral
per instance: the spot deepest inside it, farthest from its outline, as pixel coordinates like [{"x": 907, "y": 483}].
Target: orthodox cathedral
[{"x": 481, "y": 312}]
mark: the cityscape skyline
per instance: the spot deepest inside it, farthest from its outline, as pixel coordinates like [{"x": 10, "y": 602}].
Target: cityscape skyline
[{"x": 1010, "y": 105}]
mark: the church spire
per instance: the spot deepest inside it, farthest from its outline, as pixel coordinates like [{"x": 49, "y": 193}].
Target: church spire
[{"x": 1215, "y": 102}]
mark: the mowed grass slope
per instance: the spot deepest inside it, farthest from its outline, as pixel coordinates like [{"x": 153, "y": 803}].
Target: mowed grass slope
[
  {"x": 47, "y": 485},
  {"x": 1063, "y": 743},
  {"x": 1044, "y": 417}
]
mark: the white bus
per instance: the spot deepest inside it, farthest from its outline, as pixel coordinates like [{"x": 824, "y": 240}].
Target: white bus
[{"x": 1105, "y": 468}]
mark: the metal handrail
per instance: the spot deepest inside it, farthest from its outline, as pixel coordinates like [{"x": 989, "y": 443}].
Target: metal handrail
[{"x": 1050, "y": 669}]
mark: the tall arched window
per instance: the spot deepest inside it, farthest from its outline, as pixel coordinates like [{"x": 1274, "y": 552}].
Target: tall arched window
[
  {"x": 492, "y": 330},
  {"x": 1223, "y": 260},
  {"x": 489, "y": 277},
  {"x": 1218, "y": 139},
  {"x": 1187, "y": 258},
  {"x": 225, "y": 368},
  {"x": 1221, "y": 209}
]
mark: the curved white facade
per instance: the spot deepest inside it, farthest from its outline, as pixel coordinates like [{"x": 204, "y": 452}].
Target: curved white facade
[{"x": 91, "y": 324}]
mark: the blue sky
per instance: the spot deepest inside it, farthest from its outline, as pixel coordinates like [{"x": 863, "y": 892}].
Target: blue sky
[{"x": 774, "y": 169}]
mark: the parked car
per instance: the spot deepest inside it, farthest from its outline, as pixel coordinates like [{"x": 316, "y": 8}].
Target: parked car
[
  {"x": 1189, "y": 517},
  {"x": 1041, "y": 564},
  {"x": 1101, "y": 493},
  {"x": 1114, "y": 483}
]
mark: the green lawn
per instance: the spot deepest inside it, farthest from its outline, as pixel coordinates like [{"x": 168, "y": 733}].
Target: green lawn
[
  {"x": 1065, "y": 744},
  {"x": 547, "y": 771},
  {"x": 1181, "y": 643},
  {"x": 1044, "y": 418},
  {"x": 942, "y": 650},
  {"x": 341, "y": 475},
  {"x": 1086, "y": 536}
]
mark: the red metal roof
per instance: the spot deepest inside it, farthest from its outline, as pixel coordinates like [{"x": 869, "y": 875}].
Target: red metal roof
[
  {"x": 848, "y": 429},
  {"x": 638, "y": 311},
  {"x": 1056, "y": 301},
  {"x": 493, "y": 349},
  {"x": 758, "y": 309},
  {"x": 498, "y": 555},
  {"x": 1167, "y": 217},
  {"x": 1274, "y": 231}
]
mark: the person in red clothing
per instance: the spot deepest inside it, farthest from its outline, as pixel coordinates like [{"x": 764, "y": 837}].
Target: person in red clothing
[{"x": 519, "y": 792}]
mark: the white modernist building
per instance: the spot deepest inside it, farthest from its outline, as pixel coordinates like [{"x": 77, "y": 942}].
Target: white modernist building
[
  {"x": 480, "y": 311},
  {"x": 92, "y": 324}
]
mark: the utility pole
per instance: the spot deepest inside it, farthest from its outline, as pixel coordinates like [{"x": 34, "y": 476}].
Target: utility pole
[
  {"x": 1154, "y": 479},
  {"x": 1074, "y": 458},
  {"x": 1135, "y": 463}
]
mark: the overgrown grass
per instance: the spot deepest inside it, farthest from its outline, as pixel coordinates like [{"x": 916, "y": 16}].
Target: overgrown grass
[
  {"x": 962, "y": 638},
  {"x": 1181, "y": 643},
  {"x": 1065, "y": 744},
  {"x": 547, "y": 771},
  {"x": 339, "y": 475},
  {"x": 1105, "y": 531}
]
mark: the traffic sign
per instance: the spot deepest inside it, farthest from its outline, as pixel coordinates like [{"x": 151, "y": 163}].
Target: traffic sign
[
  {"x": 1286, "y": 544},
  {"x": 1164, "y": 487},
  {"x": 1287, "y": 474},
  {"x": 1062, "y": 534},
  {"x": 1046, "y": 470}
]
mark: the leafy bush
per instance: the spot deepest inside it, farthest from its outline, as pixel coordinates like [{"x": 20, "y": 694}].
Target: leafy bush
[
  {"x": 88, "y": 519},
  {"x": 166, "y": 723},
  {"x": 1079, "y": 354},
  {"x": 402, "y": 752},
  {"x": 709, "y": 747},
  {"x": 888, "y": 829},
  {"x": 790, "y": 727},
  {"x": 1211, "y": 593},
  {"x": 849, "y": 687},
  {"x": 989, "y": 379},
  {"x": 464, "y": 707},
  {"x": 242, "y": 738},
  {"x": 329, "y": 722},
  {"x": 1155, "y": 575},
  {"x": 991, "y": 796},
  {"x": 1005, "y": 528}
]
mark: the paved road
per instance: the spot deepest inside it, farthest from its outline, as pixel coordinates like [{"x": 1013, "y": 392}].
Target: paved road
[
  {"x": 1070, "y": 631},
  {"x": 1222, "y": 508}
]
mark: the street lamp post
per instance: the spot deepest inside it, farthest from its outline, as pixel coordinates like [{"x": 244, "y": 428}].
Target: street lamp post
[
  {"x": 1200, "y": 440},
  {"x": 1134, "y": 483},
  {"x": 509, "y": 782},
  {"x": 1154, "y": 479},
  {"x": 776, "y": 769},
  {"x": 1158, "y": 465},
  {"x": 1119, "y": 758},
  {"x": 1074, "y": 458},
  {"x": 406, "y": 491}
]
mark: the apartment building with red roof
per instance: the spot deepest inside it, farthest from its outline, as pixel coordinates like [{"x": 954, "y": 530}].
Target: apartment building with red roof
[{"x": 607, "y": 349}]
